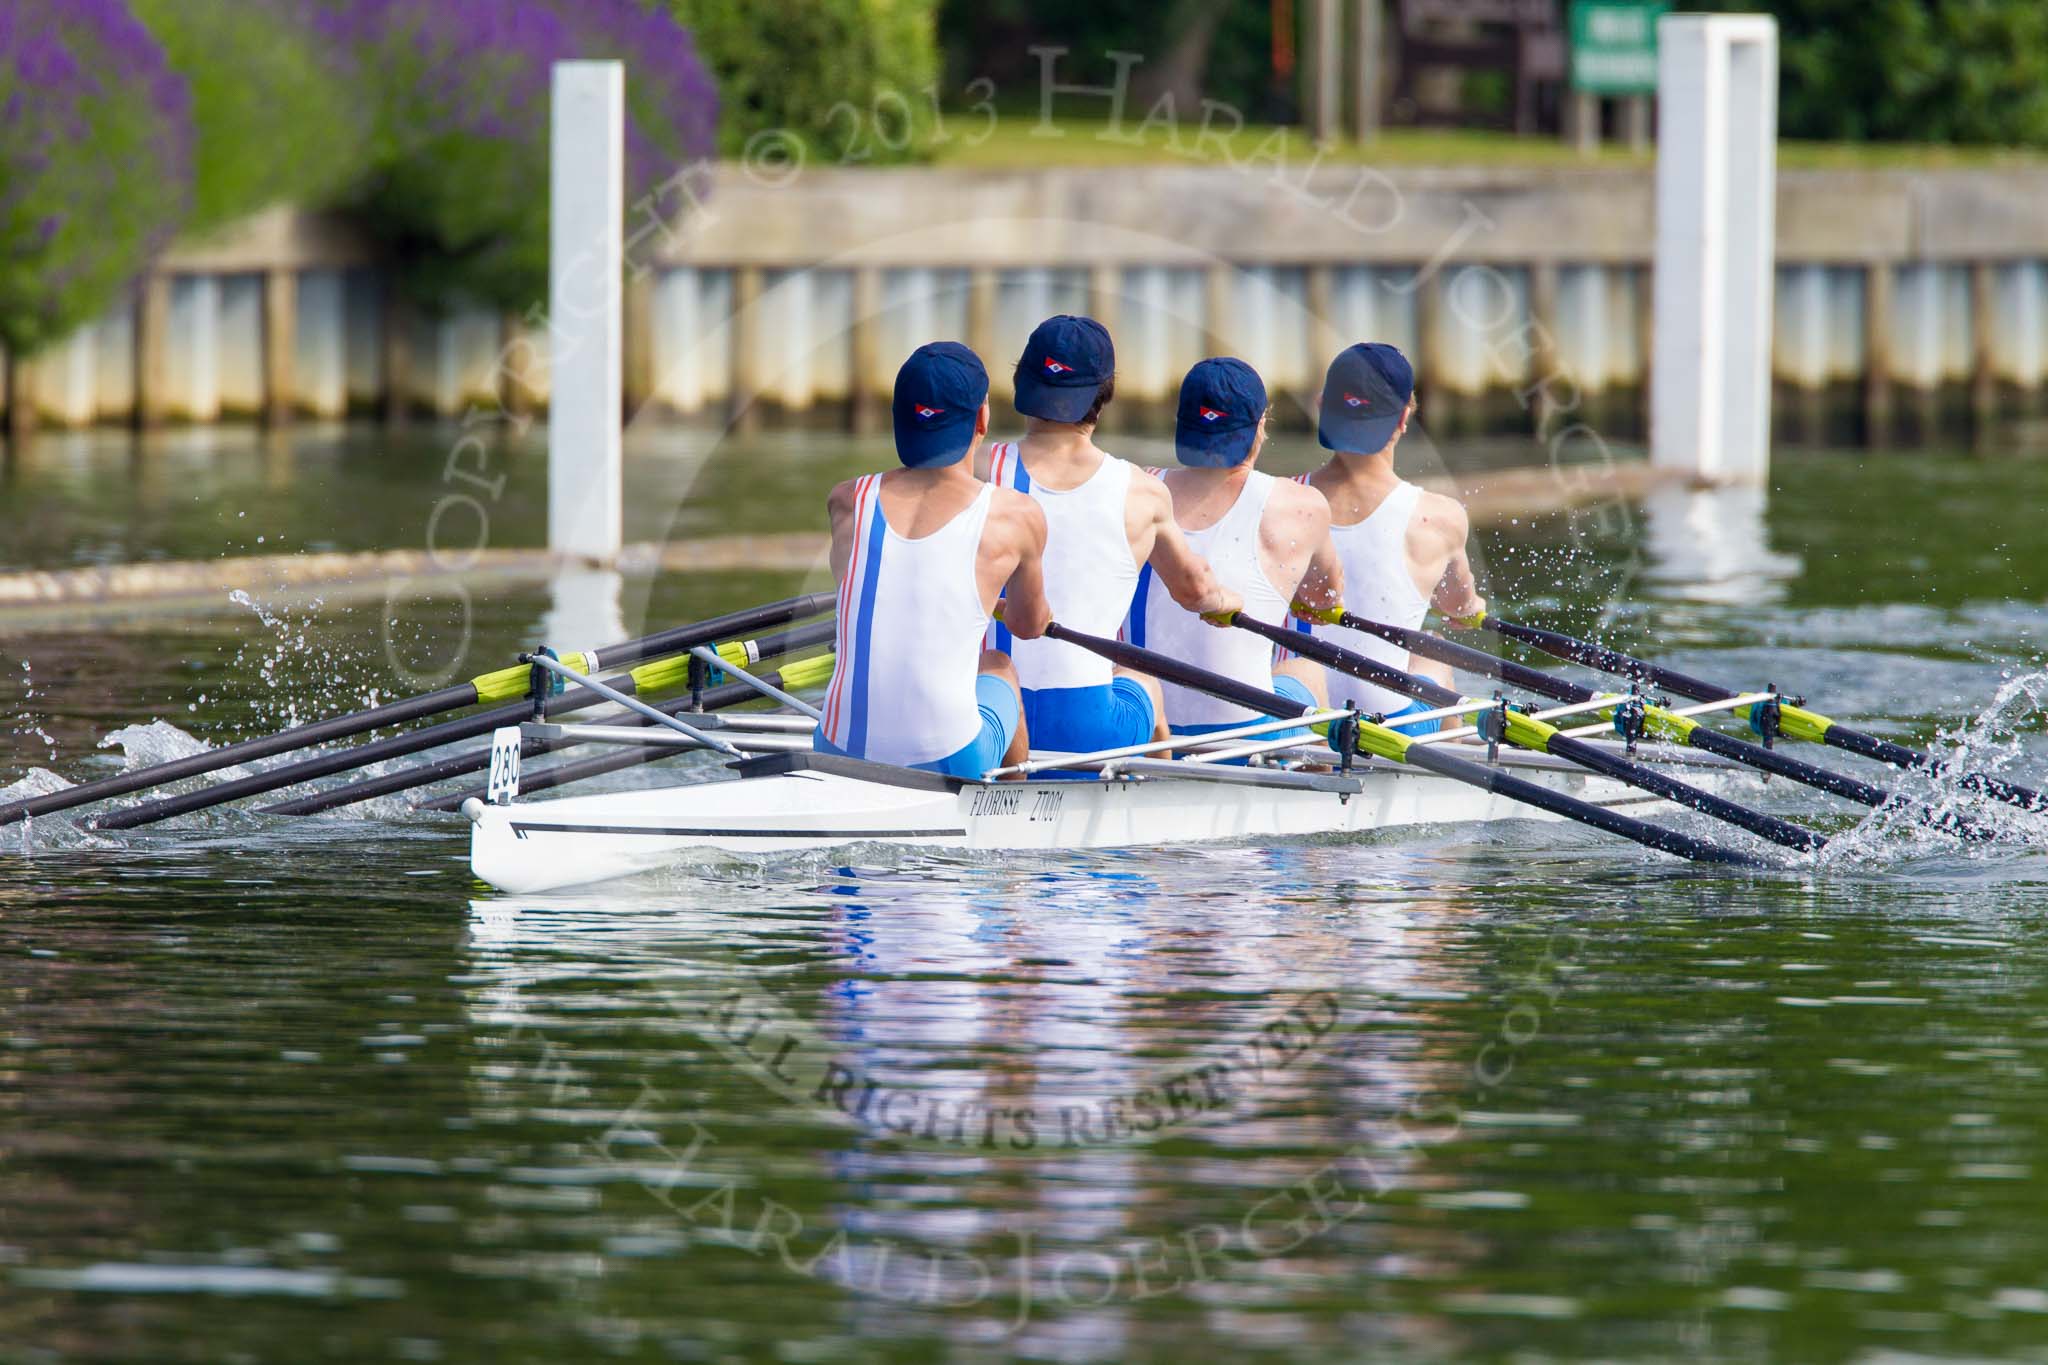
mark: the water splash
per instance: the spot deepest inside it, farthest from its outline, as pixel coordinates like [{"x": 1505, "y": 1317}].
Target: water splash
[
  {"x": 303, "y": 679},
  {"x": 157, "y": 741},
  {"x": 1990, "y": 743},
  {"x": 27, "y": 722}
]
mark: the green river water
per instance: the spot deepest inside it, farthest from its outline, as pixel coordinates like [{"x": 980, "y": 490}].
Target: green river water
[{"x": 303, "y": 1091}]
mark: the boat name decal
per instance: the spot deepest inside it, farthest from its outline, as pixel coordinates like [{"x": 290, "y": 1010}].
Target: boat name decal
[
  {"x": 997, "y": 801},
  {"x": 1034, "y": 804}
]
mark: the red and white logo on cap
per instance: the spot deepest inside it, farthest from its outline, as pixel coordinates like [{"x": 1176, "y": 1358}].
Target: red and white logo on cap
[
  {"x": 1211, "y": 415},
  {"x": 927, "y": 413},
  {"x": 1057, "y": 367},
  {"x": 1352, "y": 400}
]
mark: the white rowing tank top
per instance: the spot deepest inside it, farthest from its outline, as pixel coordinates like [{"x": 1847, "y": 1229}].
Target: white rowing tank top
[
  {"x": 1378, "y": 587},
  {"x": 909, "y": 636},
  {"x": 1089, "y": 573},
  {"x": 1232, "y": 548}
]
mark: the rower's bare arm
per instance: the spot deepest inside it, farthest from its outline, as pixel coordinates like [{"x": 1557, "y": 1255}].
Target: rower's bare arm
[
  {"x": 1187, "y": 577},
  {"x": 1306, "y": 522},
  {"x": 1456, "y": 595},
  {"x": 1322, "y": 585},
  {"x": 1026, "y": 612},
  {"x": 839, "y": 506}
]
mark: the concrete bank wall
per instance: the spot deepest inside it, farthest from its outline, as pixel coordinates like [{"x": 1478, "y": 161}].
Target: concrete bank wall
[{"x": 805, "y": 293}]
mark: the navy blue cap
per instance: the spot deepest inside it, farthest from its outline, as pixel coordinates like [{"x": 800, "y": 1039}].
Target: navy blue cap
[
  {"x": 1221, "y": 402},
  {"x": 1065, "y": 362},
  {"x": 939, "y": 392},
  {"x": 1364, "y": 395}
]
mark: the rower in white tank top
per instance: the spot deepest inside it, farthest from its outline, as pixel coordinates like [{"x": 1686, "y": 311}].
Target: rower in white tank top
[
  {"x": 1089, "y": 572},
  {"x": 895, "y": 699},
  {"x": 1232, "y": 548},
  {"x": 1379, "y": 586},
  {"x": 1407, "y": 553}
]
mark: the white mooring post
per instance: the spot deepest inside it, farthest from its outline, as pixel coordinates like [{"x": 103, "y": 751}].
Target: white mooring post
[
  {"x": 587, "y": 203},
  {"x": 1717, "y": 182}
]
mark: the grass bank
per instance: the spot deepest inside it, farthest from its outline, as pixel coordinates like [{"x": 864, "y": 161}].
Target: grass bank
[{"x": 1021, "y": 141}]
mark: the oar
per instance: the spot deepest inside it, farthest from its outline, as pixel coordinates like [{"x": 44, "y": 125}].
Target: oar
[
  {"x": 796, "y": 677},
  {"x": 1382, "y": 742},
  {"x": 1793, "y": 721},
  {"x": 1657, "y": 720},
  {"x": 1527, "y": 732},
  {"x": 405, "y": 779},
  {"x": 499, "y": 685},
  {"x": 656, "y": 676}
]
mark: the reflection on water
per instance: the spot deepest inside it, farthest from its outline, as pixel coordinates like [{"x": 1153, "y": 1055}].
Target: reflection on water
[
  {"x": 1710, "y": 545},
  {"x": 302, "y": 1090},
  {"x": 584, "y": 606},
  {"x": 1490, "y": 1106}
]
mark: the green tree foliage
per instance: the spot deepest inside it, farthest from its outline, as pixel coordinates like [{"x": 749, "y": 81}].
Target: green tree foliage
[
  {"x": 851, "y": 80},
  {"x": 1911, "y": 70},
  {"x": 274, "y": 114}
]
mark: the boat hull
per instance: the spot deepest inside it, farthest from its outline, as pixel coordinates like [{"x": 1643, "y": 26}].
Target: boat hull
[{"x": 544, "y": 845}]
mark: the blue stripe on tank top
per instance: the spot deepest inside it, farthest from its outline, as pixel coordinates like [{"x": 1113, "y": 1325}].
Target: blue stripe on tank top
[
  {"x": 1021, "y": 481},
  {"x": 1136, "y": 630},
  {"x": 864, "y": 632}
]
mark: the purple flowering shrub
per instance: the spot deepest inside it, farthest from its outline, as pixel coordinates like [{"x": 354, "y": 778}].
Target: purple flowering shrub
[
  {"x": 428, "y": 116},
  {"x": 95, "y": 158},
  {"x": 461, "y": 193}
]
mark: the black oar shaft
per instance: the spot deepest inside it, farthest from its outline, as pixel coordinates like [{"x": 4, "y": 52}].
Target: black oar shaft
[
  {"x": 452, "y": 698},
  {"x": 1418, "y": 755},
  {"x": 562, "y": 774},
  {"x": 1611, "y": 661},
  {"x": 1571, "y": 808},
  {"x": 1589, "y": 756},
  {"x": 1187, "y": 675},
  {"x": 1836, "y": 736},
  {"x": 376, "y": 751},
  {"x": 767, "y": 647},
  {"x": 682, "y": 639},
  {"x": 248, "y": 750},
  {"x": 1473, "y": 660},
  {"x": 1535, "y": 680},
  {"x": 326, "y": 765}
]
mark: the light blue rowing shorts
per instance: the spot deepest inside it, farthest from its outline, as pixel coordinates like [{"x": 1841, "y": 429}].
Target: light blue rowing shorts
[
  {"x": 997, "y": 701},
  {"x": 1081, "y": 720},
  {"x": 1292, "y": 688}
]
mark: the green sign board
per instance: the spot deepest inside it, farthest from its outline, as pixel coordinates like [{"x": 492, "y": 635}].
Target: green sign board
[{"x": 1614, "y": 45}]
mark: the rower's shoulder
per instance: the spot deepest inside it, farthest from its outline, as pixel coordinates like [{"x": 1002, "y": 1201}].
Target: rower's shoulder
[
  {"x": 840, "y": 501},
  {"x": 1147, "y": 486},
  {"x": 1439, "y": 522},
  {"x": 1441, "y": 512},
  {"x": 1019, "y": 512},
  {"x": 1298, "y": 498}
]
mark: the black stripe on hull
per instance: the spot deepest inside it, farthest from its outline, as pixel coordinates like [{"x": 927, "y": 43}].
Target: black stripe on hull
[{"x": 522, "y": 828}]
